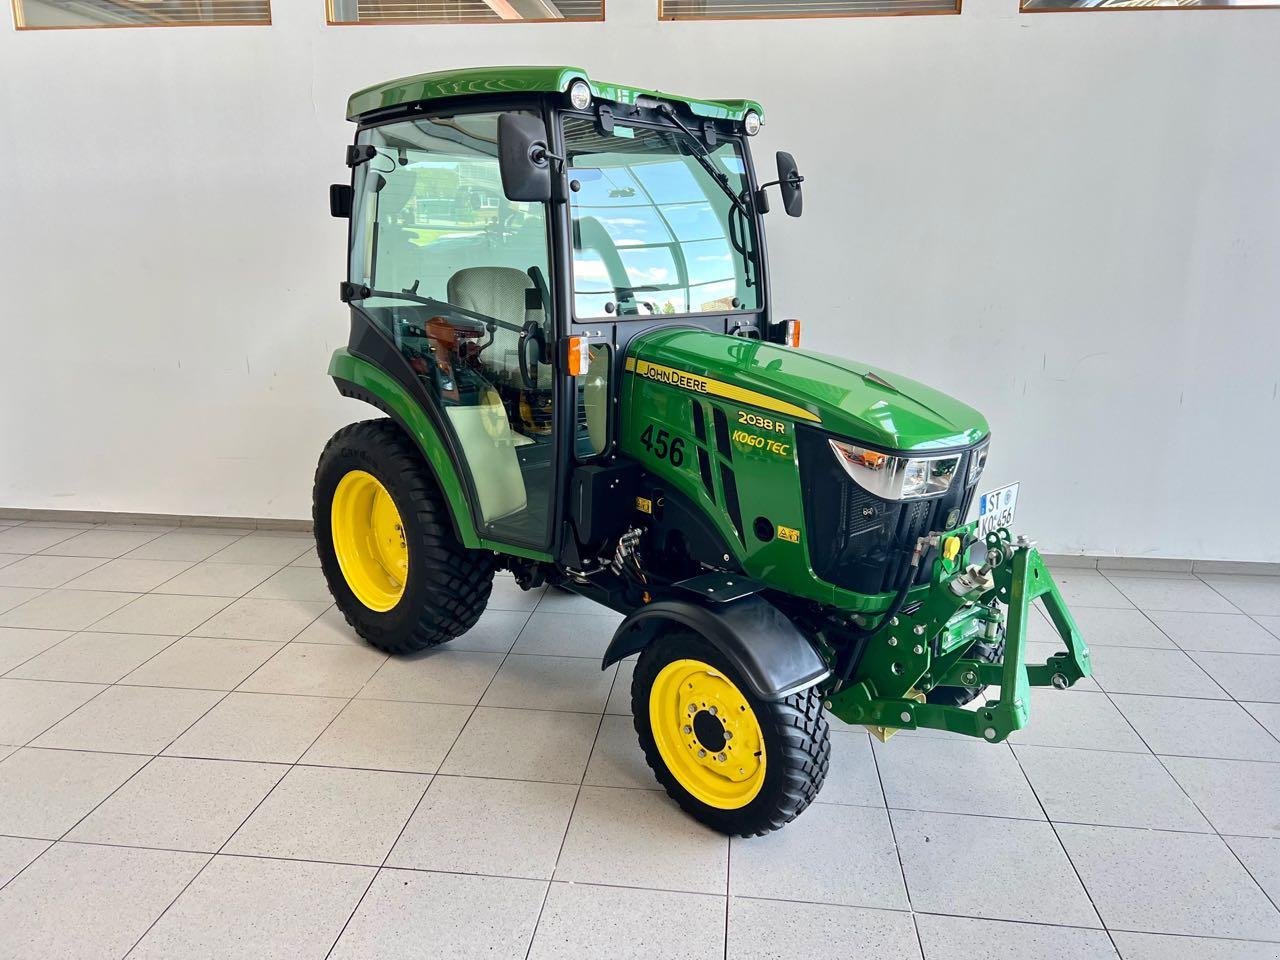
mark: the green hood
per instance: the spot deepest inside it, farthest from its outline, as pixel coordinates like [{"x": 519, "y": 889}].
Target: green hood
[{"x": 851, "y": 399}]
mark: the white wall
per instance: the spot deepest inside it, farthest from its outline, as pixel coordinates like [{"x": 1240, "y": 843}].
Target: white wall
[{"x": 1071, "y": 221}]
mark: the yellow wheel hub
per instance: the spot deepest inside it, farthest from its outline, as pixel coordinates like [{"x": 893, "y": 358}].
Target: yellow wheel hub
[
  {"x": 368, "y": 538},
  {"x": 707, "y": 734}
]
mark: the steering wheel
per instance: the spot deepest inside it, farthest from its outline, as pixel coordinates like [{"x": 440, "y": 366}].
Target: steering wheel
[{"x": 533, "y": 351}]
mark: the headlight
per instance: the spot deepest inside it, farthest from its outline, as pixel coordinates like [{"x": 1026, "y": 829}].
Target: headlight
[
  {"x": 977, "y": 463},
  {"x": 896, "y": 478},
  {"x": 580, "y": 94},
  {"x": 751, "y": 123}
]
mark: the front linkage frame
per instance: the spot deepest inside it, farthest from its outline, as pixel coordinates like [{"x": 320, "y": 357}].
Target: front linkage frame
[{"x": 926, "y": 646}]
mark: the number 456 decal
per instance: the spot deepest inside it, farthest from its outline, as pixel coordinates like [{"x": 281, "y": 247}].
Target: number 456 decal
[{"x": 663, "y": 446}]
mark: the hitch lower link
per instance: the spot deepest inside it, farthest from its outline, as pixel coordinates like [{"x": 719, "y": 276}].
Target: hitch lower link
[{"x": 932, "y": 644}]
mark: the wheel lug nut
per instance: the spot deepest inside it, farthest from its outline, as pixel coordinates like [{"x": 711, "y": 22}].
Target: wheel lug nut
[
  {"x": 728, "y": 734},
  {"x": 688, "y": 729},
  {"x": 712, "y": 711},
  {"x": 701, "y": 754},
  {"x": 722, "y": 758},
  {"x": 693, "y": 708}
]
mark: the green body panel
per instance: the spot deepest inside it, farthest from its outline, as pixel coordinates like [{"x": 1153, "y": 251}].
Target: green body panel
[
  {"x": 373, "y": 379},
  {"x": 779, "y": 384},
  {"x": 518, "y": 80}
]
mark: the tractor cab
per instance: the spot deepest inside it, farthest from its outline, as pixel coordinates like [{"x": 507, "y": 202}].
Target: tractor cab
[{"x": 509, "y": 238}]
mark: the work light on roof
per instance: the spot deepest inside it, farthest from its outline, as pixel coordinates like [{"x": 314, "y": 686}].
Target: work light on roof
[
  {"x": 580, "y": 94},
  {"x": 751, "y": 123}
]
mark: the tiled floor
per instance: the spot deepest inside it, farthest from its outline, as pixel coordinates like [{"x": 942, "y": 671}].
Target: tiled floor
[{"x": 198, "y": 759}]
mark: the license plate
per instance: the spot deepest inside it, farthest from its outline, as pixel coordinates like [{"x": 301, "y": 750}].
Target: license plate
[{"x": 995, "y": 509}]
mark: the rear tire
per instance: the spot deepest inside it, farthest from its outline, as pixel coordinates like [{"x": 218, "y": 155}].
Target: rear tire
[
  {"x": 792, "y": 735},
  {"x": 447, "y": 586}
]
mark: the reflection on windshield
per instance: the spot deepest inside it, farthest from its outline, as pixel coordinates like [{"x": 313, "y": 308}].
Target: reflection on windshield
[{"x": 651, "y": 229}]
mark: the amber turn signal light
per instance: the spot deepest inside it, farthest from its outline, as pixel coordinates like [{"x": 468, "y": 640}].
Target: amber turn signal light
[
  {"x": 576, "y": 357},
  {"x": 792, "y": 333}
]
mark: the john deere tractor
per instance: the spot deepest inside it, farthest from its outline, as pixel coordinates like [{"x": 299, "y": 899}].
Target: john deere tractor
[{"x": 560, "y": 302}]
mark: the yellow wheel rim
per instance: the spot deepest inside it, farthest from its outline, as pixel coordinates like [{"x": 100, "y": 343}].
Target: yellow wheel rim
[
  {"x": 368, "y": 538},
  {"x": 707, "y": 734}
]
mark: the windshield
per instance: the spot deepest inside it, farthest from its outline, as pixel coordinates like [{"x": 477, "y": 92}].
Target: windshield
[{"x": 653, "y": 233}]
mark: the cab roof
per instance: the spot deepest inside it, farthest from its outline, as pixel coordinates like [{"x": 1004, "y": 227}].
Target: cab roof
[{"x": 541, "y": 79}]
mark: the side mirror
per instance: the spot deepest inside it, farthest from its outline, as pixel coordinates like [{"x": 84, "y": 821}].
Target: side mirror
[
  {"x": 789, "y": 181},
  {"x": 523, "y": 158},
  {"x": 340, "y": 199}
]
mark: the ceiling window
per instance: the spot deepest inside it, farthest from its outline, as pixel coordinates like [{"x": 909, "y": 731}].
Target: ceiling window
[
  {"x": 69, "y": 14},
  {"x": 1038, "y": 6},
  {"x": 463, "y": 11},
  {"x": 796, "y": 9}
]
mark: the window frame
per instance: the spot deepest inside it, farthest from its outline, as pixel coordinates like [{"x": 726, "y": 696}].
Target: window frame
[
  {"x": 1219, "y": 8},
  {"x": 420, "y": 21},
  {"x": 20, "y": 24},
  {"x": 663, "y": 16}
]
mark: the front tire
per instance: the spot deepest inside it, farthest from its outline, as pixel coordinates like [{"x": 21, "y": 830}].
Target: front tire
[
  {"x": 739, "y": 764},
  {"x": 387, "y": 547}
]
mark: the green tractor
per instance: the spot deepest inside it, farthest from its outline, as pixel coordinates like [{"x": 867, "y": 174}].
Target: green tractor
[{"x": 559, "y": 299}]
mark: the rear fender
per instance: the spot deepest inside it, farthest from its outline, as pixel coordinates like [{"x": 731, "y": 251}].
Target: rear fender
[{"x": 756, "y": 637}]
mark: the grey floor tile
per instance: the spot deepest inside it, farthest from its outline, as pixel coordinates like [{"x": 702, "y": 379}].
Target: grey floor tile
[
  {"x": 8, "y": 558},
  {"x": 44, "y": 792},
  {"x": 127, "y": 574},
  {"x": 16, "y": 853},
  {"x": 294, "y": 583},
  {"x": 330, "y": 627},
  {"x": 1246, "y": 676},
  {"x": 389, "y": 735},
  {"x": 1267, "y": 714},
  {"x": 852, "y": 777},
  {"x": 327, "y": 813},
  {"x": 581, "y": 920},
  {"x": 103, "y": 543},
  {"x": 20, "y": 644},
  {"x": 1257, "y": 595},
  {"x": 1238, "y": 796},
  {"x": 250, "y": 619},
  {"x": 1198, "y": 728},
  {"x": 179, "y": 804},
  {"x": 550, "y": 683},
  {"x": 90, "y": 901},
  {"x": 945, "y": 938},
  {"x": 316, "y": 669},
  {"x": 461, "y": 917},
  {"x": 29, "y": 707},
  {"x": 808, "y": 860},
  {"x": 27, "y": 539},
  {"x": 933, "y": 844},
  {"x": 1154, "y": 946},
  {"x": 264, "y": 549},
  {"x": 619, "y": 702},
  {"x": 567, "y": 634},
  {"x": 1155, "y": 882},
  {"x": 258, "y": 726},
  {"x": 494, "y": 632},
  {"x": 130, "y": 720},
  {"x": 1169, "y": 673},
  {"x": 640, "y": 838},
  {"x": 46, "y": 572},
  {"x": 509, "y": 828},
  {"x": 1114, "y": 789},
  {"x": 246, "y": 908},
  {"x": 434, "y": 676},
  {"x": 1271, "y": 624},
  {"x": 157, "y": 613},
  {"x": 12, "y": 597},
  {"x": 1172, "y": 593},
  {"x": 218, "y": 579},
  {"x": 1088, "y": 588},
  {"x": 206, "y": 663},
  {"x": 93, "y": 657},
  {"x": 507, "y": 595},
  {"x": 558, "y": 600},
  {"x": 523, "y": 745},
  {"x": 1261, "y": 857},
  {"x": 1219, "y": 632},
  {"x": 309, "y": 559},
  {"x": 956, "y": 775},
  {"x": 65, "y": 609},
  {"x": 183, "y": 545},
  {"x": 1105, "y": 626},
  {"x": 770, "y": 930},
  {"x": 616, "y": 758}
]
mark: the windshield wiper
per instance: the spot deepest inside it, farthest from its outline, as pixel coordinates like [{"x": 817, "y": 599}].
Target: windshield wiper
[{"x": 703, "y": 156}]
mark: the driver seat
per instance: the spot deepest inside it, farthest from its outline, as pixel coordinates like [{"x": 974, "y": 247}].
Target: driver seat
[{"x": 498, "y": 292}]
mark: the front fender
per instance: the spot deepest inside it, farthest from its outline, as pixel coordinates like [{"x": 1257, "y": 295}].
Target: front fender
[{"x": 757, "y": 638}]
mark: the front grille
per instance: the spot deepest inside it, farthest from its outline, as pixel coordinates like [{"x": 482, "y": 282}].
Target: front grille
[{"x": 859, "y": 541}]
